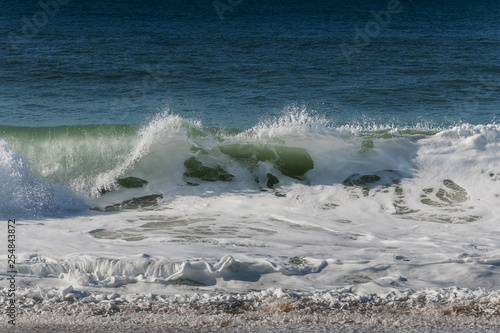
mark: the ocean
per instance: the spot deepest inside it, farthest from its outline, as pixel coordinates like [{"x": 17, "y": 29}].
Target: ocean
[{"x": 343, "y": 152}]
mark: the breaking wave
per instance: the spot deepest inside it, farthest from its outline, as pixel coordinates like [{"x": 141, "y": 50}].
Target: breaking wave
[{"x": 50, "y": 169}]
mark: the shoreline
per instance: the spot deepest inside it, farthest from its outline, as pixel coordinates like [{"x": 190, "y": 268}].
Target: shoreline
[
  {"x": 244, "y": 327},
  {"x": 267, "y": 310}
]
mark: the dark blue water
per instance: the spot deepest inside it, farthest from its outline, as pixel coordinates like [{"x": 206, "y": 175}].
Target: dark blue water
[{"x": 233, "y": 63}]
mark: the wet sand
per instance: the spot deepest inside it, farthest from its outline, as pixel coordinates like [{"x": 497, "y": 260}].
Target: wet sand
[{"x": 268, "y": 314}]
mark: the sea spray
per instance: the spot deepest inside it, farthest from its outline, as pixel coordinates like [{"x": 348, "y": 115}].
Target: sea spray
[{"x": 24, "y": 195}]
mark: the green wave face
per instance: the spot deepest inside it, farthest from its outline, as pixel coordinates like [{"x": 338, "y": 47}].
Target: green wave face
[
  {"x": 94, "y": 159},
  {"x": 290, "y": 161},
  {"x": 98, "y": 159},
  {"x": 72, "y": 155},
  {"x": 119, "y": 167}
]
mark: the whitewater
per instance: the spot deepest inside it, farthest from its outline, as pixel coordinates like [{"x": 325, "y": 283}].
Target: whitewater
[{"x": 297, "y": 219}]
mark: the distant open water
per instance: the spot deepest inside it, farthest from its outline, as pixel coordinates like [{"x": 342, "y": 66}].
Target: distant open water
[{"x": 121, "y": 62}]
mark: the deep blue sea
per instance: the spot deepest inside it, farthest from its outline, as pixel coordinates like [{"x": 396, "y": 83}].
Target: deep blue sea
[{"x": 235, "y": 63}]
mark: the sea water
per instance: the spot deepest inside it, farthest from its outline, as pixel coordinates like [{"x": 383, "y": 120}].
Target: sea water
[{"x": 177, "y": 147}]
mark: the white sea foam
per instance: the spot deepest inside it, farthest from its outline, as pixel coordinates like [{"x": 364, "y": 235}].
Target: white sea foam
[{"x": 381, "y": 212}]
